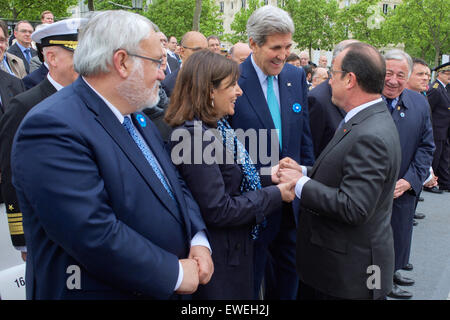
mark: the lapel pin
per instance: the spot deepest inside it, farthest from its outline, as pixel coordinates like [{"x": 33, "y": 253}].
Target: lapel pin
[
  {"x": 296, "y": 107},
  {"x": 141, "y": 120},
  {"x": 398, "y": 108},
  {"x": 402, "y": 114},
  {"x": 289, "y": 84}
]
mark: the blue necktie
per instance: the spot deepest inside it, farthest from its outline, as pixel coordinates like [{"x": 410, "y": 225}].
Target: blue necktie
[
  {"x": 274, "y": 108},
  {"x": 148, "y": 155},
  {"x": 28, "y": 54}
]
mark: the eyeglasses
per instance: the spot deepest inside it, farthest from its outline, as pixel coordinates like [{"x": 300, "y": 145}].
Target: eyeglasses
[
  {"x": 334, "y": 71},
  {"x": 157, "y": 61},
  {"x": 26, "y": 31},
  {"x": 193, "y": 49}
]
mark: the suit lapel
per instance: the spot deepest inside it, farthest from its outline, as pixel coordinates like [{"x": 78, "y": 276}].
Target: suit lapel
[
  {"x": 346, "y": 129},
  {"x": 111, "y": 124},
  {"x": 285, "y": 107},
  {"x": 255, "y": 94}
]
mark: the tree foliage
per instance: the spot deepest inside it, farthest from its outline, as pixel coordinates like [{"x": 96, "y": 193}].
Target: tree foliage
[
  {"x": 423, "y": 26},
  {"x": 175, "y": 17},
  {"x": 32, "y": 9},
  {"x": 239, "y": 24},
  {"x": 314, "y": 23}
]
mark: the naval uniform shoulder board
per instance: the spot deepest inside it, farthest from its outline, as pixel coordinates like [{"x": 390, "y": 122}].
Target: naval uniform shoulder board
[{"x": 436, "y": 85}]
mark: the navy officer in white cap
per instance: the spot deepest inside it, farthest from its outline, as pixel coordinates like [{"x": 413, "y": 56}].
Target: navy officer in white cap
[{"x": 58, "y": 42}]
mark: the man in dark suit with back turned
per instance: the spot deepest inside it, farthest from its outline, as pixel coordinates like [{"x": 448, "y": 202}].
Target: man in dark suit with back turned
[
  {"x": 274, "y": 98},
  {"x": 344, "y": 242},
  {"x": 22, "y": 48},
  {"x": 59, "y": 58},
  {"x": 324, "y": 116},
  {"x": 106, "y": 215}
]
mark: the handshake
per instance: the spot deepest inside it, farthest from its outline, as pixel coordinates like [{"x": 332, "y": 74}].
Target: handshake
[{"x": 285, "y": 175}]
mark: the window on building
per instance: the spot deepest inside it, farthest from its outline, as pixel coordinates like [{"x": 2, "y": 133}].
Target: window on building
[
  {"x": 266, "y": 2},
  {"x": 385, "y": 8},
  {"x": 231, "y": 5},
  {"x": 244, "y": 4},
  {"x": 222, "y": 5}
]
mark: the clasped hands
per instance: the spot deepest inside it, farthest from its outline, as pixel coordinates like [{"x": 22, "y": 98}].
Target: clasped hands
[
  {"x": 286, "y": 174},
  {"x": 198, "y": 268}
]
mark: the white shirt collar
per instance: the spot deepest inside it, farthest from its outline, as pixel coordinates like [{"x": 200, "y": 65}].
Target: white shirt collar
[
  {"x": 354, "y": 111},
  {"x": 116, "y": 112},
  {"x": 54, "y": 83}
]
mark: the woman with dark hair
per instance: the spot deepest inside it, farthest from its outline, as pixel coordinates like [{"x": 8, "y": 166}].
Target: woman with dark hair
[{"x": 230, "y": 194}]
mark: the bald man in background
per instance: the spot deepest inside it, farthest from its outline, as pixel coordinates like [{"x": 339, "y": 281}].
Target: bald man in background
[{"x": 191, "y": 42}]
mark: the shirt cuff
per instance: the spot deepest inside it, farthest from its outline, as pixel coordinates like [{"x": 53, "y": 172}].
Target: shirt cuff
[
  {"x": 23, "y": 249},
  {"x": 200, "y": 239},
  {"x": 299, "y": 186},
  {"x": 304, "y": 171},
  {"x": 180, "y": 276}
]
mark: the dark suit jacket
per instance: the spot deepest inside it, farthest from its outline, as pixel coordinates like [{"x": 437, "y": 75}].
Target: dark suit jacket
[
  {"x": 91, "y": 200},
  {"x": 169, "y": 82},
  {"x": 412, "y": 119},
  {"x": 19, "y": 107},
  {"x": 10, "y": 86},
  {"x": 173, "y": 63},
  {"x": 15, "y": 50},
  {"x": 252, "y": 112},
  {"x": 439, "y": 100},
  {"x": 345, "y": 226},
  {"x": 324, "y": 116},
  {"x": 228, "y": 213},
  {"x": 35, "y": 77}
]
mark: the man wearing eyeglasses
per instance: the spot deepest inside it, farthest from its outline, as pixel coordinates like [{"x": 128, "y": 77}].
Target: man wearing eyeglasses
[
  {"x": 411, "y": 114},
  {"x": 22, "y": 48},
  {"x": 106, "y": 215},
  {"x": 191, "y": 42}
]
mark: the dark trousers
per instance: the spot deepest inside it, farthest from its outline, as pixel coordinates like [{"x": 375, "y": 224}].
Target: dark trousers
[
  {"x": 441, "y": 162},
  {"x": 274, "y": 257}
]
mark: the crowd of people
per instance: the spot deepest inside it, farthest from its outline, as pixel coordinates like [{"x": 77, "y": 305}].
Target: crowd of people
[{"x": 125, "y": 175}]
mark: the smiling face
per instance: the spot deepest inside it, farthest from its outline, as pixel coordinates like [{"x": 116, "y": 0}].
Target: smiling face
[
  {"x": 396, "y": 78},
  {"x": 271, "y": 56},
  {"x": 225, "y": 96}
]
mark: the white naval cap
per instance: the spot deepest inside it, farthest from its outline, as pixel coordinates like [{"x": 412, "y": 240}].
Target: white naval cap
[{"x": 63, "y": 33}]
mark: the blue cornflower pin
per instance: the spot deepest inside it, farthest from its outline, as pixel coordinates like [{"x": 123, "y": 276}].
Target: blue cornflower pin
[
  {"x": 296, "y": 107},
  {"x": 141, "y": 119},
  {"x": 402, "y": 114}
]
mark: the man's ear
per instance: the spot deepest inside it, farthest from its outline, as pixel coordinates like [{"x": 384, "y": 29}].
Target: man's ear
[
  {"x": 252, "y": 44},
  {"x": 122, "y": 63}
]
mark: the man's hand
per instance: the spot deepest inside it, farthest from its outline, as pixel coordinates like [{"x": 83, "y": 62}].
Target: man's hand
[
  {"x": 275, "y": 179},
  {"x": 400, "y": 187},
  {"x": 432, "y": 183},
  {"x": 190, "y": 277},
  {"x": 288, "y": 163},
  {"x": 287, "y": 190},
  {"x": 24, "y": 256},
  {"x": 205, "y": 264},
  {"x": 289, "y": 174}
]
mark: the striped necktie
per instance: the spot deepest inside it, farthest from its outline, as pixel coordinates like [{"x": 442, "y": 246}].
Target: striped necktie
[{"x": 148, "y": 154}]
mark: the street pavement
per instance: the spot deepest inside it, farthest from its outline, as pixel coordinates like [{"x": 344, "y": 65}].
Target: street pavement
[{"x": 430, "y": 252}]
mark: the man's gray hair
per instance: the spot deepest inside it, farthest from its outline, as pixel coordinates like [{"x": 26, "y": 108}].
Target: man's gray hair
[
  {"x": 104, "y": 34},
  {"x": 400, "y": 55},
  {"x": 266, "y": 21}
]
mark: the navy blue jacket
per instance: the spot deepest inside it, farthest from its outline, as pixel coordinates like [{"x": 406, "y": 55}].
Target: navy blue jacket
[{"x": 91, "y": 200}]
